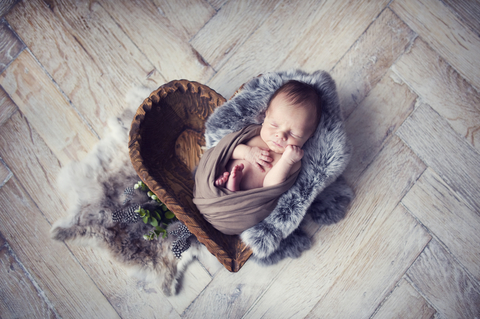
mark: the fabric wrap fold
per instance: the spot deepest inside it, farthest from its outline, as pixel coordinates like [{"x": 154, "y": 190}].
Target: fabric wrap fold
[{"x": 233, "y": 212}]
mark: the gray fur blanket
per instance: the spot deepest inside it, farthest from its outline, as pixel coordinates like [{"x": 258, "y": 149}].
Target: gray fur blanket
[{"x": 318, "y": 189}]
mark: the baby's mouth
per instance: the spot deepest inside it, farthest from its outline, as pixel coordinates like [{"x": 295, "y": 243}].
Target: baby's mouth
[{"x": 276, "y": 144}]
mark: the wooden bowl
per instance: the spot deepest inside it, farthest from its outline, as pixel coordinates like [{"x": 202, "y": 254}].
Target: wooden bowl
[{"x": 165, "y": 145}]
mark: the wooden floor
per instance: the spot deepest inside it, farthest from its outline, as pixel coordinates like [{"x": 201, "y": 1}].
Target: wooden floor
[{"x": 408, "y": 75}]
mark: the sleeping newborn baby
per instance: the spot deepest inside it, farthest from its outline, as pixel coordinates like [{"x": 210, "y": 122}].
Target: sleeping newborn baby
[
  {"x": 275, "y": 154},
  {"x": 238, "y": 182}
]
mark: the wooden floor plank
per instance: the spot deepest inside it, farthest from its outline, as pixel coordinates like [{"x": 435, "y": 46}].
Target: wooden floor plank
[
  {"x": 336, "y": 247},
  {"x": 20, "y": 298},
  {"x": 38, "y": 167},
  {"x": 229, "y": 295},
  {"x": 171, "y": 55},
  {"x": 86, "y": 53},
  {"x": 367, "y": 61},
  {"x": 376, "y": 269},
  {"x": 405, "y": 303},
  {"x": 48, "y": 111},
  {"x": 7, "y": 107},
  {"x": 445, "y": 215},
  {"x": 447, "y": 153},
  {"x": 6, "y": 5},
  {"x": 440, "y": 86},
  {"x": 445, "y": 284},
  {"x": 445, "y": 32},
  {"x": 221, "y": 37},
  {"x": 217, "y": 4},
  {"x": 58, "y": 274},
  {"x": 468, "y": 11},
  {"x": 37, "y": 172},
  {"x": 10, "y": 46},
  {"x": 375, "y": 120},
  {"x": 184, "y": 16},
  {"x": 296, "y": 35},
  {"x": 5, "y": 173}
]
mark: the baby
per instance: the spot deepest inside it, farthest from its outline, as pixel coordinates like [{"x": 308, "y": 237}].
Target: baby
[{"x": 268, "y": 159}]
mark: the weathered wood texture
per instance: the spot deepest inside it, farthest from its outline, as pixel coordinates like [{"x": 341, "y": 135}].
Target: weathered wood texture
[
  {"x": 405, "y": 303},
  {"x": 20, "y": 298},
  {"x": 367, "y": 61},
  {"x": 5, "y": 173},
  {"x": 6, "y": 5},
  {"x": 440, "y": 86},
  {"x": 373, "y": 122},
  {"x": 73, "y": 293},
  {"x": 445, "y": 32},
  {"x": 52, "y": 116},
  {"x": 468, "y": 12},
  {"x": 157, "y": 35},
  {"x": 231, "y": 27},
  {"x": 445, "y": 284},
  {"x": 444, "y": 214},
  {"x": 7, "y": 107},
  {"x": 448, "y": 154},
  {"x": 10, "y": 46}
]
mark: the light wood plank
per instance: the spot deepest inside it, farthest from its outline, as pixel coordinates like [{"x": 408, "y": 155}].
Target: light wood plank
[
  {"x": 297, "y": 35},
  {"x": 440, "y": 86},
  {"x": 445, "y": 32},
  {"x": 171, "y": 55},
  {"x": 20, "y": 298},
  {"x": 448, "y": 154},
  {"x": 338, "y": 246},
  {"x": 405, "y": 303},
  {"x": 64, "y": 281},
  {"x": 455, "y": 224},
  {"x": 38, "y": 167},
  {"x": 217, "y": 4},
  {"x": 229, "y": 295},
  {"x": 369, "y": 58},
  {"x": 49, "y": 113},
  {"x": 7, "y": 107},
  {"x": 86, "y": 53},
  {"x": 445, "y": 284},
  {"x": 6, "y": 5},
  {"x": 10, "y": 46},
  {"x": 5, "y": 173},
  {"x": 221, "y": 37},
  {"x": 468, "y": 11},
  {"x": 376, "y": 269},
  {"x": 374, "y": 121},
  {"x": 37, "y": 172},
  {"x": 186, "y": 17}
]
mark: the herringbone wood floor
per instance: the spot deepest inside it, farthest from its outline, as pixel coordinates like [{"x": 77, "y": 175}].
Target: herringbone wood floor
[{"x": 408, "y": 75}]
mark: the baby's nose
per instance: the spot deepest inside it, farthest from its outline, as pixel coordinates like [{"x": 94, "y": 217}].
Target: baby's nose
[{"x": 282, "y": 135}]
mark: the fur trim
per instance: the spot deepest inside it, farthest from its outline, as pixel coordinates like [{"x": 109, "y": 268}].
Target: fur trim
[{"x": 326, "y": 155}]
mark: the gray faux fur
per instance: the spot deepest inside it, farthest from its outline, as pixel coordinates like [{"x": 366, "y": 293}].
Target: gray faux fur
[{"x": 326, "y": 155}]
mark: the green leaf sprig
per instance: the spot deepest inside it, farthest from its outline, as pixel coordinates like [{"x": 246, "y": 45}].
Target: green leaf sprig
[{"x": 159, "y": 218}]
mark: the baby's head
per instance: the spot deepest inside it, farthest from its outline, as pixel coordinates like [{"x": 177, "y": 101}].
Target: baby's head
[{"x": 292, "y": 116}]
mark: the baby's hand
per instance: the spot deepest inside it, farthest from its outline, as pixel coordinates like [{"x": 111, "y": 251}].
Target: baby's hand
[
  {"x": 292, "y": 154},
  {"x": 259, "y": 157}
]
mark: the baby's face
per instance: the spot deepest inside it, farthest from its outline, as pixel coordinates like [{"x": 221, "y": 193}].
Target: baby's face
[{"x": 286, "y": 124}]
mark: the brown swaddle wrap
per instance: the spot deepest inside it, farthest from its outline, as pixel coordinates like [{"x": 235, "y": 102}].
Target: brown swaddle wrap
[{"x": 233, "y": 212}]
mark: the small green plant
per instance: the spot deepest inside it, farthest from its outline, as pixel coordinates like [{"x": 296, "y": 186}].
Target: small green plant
[{"x": 159, "y": 218}]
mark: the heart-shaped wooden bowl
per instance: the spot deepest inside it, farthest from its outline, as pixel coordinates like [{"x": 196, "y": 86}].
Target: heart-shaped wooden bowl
[{"x": 165, "y": 145}]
